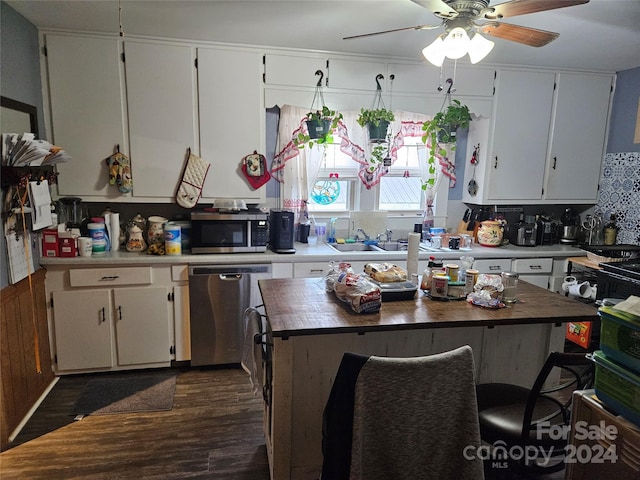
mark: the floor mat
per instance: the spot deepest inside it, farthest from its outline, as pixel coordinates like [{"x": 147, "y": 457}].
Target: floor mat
[{"x": 127, "y": 394}]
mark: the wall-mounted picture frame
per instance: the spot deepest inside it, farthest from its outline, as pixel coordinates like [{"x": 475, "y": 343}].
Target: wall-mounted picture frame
[{"x": 18, "y": 117}]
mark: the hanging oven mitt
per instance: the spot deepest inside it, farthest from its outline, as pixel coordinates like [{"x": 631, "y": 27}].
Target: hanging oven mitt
[
  {"x": 119, "y": 171},
  {"x": 190, "y": 187},
  {"x": 254, "y": 167}
]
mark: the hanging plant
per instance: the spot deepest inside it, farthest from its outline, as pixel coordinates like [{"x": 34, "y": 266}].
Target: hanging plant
[
  {"x": 441, "y": 131},
  {"x": 320, "y": 126},
  {"x": 377, "y": 118},
  {"x": 321, "y": 122}
]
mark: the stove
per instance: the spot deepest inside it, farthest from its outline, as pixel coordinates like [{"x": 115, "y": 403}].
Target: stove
[{"x": 619, "y": 279}]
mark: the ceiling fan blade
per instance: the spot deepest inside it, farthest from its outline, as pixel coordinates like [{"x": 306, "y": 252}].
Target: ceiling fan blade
[
  {"x": 417, "y": 27},
  {"x": 522, "y": 7},
  {"x": 518, "y": 33},
  {"x": 438, "y": 7}
]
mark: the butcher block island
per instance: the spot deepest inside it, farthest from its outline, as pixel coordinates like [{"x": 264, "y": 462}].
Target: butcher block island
[{"x": 309, "y": 329}]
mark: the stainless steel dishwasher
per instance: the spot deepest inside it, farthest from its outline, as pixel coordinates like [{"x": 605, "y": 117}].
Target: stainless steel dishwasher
[{"x": 218, "y": 297}]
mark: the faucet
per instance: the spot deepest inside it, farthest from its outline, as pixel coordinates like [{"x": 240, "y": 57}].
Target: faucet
[
  {"x": 360, "y": 230},
  {"x": 389, "y": 233}
]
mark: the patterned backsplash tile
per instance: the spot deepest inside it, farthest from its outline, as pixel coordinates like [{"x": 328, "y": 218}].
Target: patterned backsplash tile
[{"x": 620, "y": 194}]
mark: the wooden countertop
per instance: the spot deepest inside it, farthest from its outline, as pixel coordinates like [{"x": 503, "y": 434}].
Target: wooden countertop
[{"x": 301, "y": 306}]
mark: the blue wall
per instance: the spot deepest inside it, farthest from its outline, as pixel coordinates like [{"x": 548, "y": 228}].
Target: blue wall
[
  {"x": 19, "y": 78},
  {"x": 626, "y": 102}
]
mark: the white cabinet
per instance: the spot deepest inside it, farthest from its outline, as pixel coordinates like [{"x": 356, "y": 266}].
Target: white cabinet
[
  {"x": 544, "y": 142},
  {"x": 421, "y": 78},
  {"x": 88, "y": 324},
  {"x": 294, "y": 70},
  {"x": 162, "y": 103},
  {"x": 495, "y": 266},
  {"x": 232, "y": 120},
  {"x": 357, "y": 74},
  {"x": 578, "y": 137},
  {"x": 87, "y": 101},
  {"x": 534, "y": 270},
  {"x": 83, "y": 329}
]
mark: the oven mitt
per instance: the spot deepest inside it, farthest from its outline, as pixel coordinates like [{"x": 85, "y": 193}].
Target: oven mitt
[
  {"x": 119, "y": 171},
  {"x": 190, "y": 187},
  {"x": 254, "y": 167}
]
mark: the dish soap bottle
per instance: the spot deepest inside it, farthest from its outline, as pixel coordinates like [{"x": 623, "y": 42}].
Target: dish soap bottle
[
  {"x": 427, "y": 223},
  {"x": 610, "y": 231}
]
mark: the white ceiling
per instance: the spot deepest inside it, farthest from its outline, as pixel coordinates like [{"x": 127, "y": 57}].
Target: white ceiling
[{"x": 602, "y": 35}]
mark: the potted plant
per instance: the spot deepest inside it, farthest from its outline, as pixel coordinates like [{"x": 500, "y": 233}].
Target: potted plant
[
  {"x": 377, "y": 121},
  {"x": 320, "y": 126},
  {"x": 441, "y": 130}
]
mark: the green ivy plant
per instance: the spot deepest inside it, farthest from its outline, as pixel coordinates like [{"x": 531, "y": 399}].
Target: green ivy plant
[
  {"x": 374, "y": 116},
  {"x": 331, "y": 116},
  {"x": 441, "y": 130}
]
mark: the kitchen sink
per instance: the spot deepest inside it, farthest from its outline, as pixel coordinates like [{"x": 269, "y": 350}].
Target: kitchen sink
[
  {"x": 354, "y": 247},
  {"x": 393, "y": 246}
]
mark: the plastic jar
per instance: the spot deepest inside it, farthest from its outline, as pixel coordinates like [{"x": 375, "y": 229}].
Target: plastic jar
[
  {"x": 510, "y": 284},
  {"x": 172, "y": 240}
]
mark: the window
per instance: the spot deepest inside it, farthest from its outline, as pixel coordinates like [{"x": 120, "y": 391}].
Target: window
[{"x": 401, "y": 188}]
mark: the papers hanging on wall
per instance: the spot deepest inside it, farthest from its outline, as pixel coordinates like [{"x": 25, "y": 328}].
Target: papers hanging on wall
[
  {"x": 20, "y": 256},
  {"x": 23, "y": 150},
  {"x": 40, "y": 200}
]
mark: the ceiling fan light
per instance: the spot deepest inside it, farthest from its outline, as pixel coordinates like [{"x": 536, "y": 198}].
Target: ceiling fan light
[
  {"x": 456, "y": 44},
  {"x": 434, "y": 53},
  {"x": 479, "y": 47}
]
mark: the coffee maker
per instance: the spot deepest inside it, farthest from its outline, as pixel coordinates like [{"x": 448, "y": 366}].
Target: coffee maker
[
  {"x": 281, "y": 231},
  {"x": 569, "y": 228}
]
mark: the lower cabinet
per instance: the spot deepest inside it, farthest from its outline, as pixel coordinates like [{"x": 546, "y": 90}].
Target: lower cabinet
[{"x": 111, "y": 327}]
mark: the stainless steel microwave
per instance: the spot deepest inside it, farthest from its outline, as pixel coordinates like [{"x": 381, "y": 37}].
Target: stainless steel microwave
[{"x": 229, "y": 232}]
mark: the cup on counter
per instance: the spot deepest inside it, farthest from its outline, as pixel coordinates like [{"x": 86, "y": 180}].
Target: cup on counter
[
  {"x": 321, "y": 231},
  {"x": 568, "y": 282},
  {"x": 85, "y": 246},
  {"x": 582, "y": 290}
]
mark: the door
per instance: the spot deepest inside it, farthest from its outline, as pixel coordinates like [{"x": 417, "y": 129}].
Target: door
[
  {"x": 82, "y": 328},
  {"x": 522, "y": 113},
  {"x": 578, "y": 139},
  {"x": 142, "y": 319},
  {"x": 87, "y": 110},
  {"x": 232, "y": 120},
  {"x": 162, "y": 115}
]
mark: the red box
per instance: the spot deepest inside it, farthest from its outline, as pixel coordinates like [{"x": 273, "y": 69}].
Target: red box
[
  {"x": 50, "y": 243},
  {"x": 579, "y": 333},
  {"x": 67, "y": 247}
]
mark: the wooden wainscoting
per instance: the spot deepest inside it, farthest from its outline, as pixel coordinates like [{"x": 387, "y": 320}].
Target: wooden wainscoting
[{"x": 21, "y": 385}]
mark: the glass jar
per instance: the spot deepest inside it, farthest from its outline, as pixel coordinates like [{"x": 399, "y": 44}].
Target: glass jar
[{"x": 510, "y": 287}]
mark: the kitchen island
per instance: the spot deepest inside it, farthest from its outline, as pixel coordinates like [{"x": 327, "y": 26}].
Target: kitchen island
[{"x": 309, "y": 329}]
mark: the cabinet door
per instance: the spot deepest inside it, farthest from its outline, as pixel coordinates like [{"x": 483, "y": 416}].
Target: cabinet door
[
  {"x": 356, "y": 75},
  {"x": 82, "y": 328},
  {"x": 87, "y": 110},
  {"x": 578, "y": 136},
  {"x": 142, "y": 325},
  {"x": 522, "y": 112},
  {"x": 162, "y": 115},
  {"x": 294, "y": 71},
  {"x": 232, "y": 120}
]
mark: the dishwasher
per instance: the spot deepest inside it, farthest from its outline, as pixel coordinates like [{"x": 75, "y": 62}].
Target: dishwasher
[{"x": 218, "y": 297}]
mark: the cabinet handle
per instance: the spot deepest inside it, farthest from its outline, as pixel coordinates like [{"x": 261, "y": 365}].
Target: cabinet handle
[
  {"x": 555, "y": 160},
  {"x": 495, "y": 162},
  {"x": 316, "y": 270},
  {"x": 119, "y": 312},
  {"x": 108, "y": 278},
  {"x": 535, "y": 267},
  {"x": 494, "y": 267},
  {"x": 104, "y": 318}
]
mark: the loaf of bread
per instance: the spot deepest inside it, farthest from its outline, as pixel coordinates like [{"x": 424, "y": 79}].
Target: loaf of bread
[{"x": 385, "y": 272}]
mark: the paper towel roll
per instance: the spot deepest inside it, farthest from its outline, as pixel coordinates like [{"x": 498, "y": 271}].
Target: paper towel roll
[
  {"x": 412, "y": 254},
  {"x": 114, "y": 231}
]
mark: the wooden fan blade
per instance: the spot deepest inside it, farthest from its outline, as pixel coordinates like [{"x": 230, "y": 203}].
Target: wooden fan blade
[
  {"x": 438, "y": 7},
  {"x": 417, "y": 27},
  {"x": 522, "y": 7},
  {"x": 518, "y": 33}
]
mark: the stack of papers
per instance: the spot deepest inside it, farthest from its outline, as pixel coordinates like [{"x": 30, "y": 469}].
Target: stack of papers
[{"x": 23, "y": 150}]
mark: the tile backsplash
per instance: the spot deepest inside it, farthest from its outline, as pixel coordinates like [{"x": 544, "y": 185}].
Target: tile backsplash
[{"x": 620, "y": 194}]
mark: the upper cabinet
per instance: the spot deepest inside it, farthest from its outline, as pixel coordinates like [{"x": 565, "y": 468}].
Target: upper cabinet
[
  {"x": 88, "y": 112},
  {"x": 353, "y": 74},
  {"x": 544, "y": 141},
  {"x": 162, "y": 103},
  {"x": 231, "y": 126},
  {"x": 294, "y": 70}
]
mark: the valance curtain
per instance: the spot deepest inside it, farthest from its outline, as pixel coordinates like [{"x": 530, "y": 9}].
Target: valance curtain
[{"x": 297, "y": 169}]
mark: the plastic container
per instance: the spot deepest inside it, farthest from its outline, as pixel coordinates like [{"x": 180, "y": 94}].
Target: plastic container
[
  {"x": 510, "y": 283},
  {"x": 617, "y": 387},
  {"x": 172, "y": 239},
  {"x": 98, "y": 232},
  {"x": 620, "y": 337}
]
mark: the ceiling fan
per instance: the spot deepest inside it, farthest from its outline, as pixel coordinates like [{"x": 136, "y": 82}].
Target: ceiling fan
[{"x": 463, "y": 16}]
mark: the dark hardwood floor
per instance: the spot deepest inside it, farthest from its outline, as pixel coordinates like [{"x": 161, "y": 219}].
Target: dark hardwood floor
[{"x": 214, "y": 431}]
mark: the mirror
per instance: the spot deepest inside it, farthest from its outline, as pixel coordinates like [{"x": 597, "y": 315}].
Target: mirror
[{"x": 18, "y": 117}]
